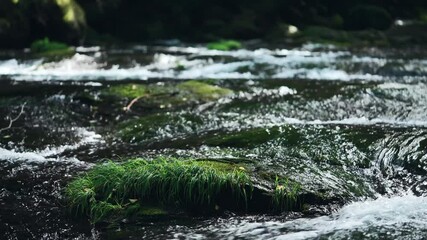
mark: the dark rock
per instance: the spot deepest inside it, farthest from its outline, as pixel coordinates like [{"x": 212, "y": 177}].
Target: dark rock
[{"x": 368, "y": 17}]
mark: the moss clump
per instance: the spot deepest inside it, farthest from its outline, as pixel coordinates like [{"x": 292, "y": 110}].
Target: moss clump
[
  {"x": 225, "y": 45},
  {"x": 167, "y": 95},
  {"x": 151, "y": 211},
  {"x": 126, "y": 90},
  {"x": 285, "y": 193},
  {"x": 204, "y": 91},
  {"x": 46, "y": 47},
  {"x": 119, "y": 190},
  {"x": 139, "y": 189}
]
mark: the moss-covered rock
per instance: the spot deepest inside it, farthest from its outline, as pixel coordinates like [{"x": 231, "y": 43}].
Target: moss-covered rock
[
  {"x": 45, "y": 47},
  {"x": 113, "y": 190},
  {"x": 167, "y": 95},
  {"x": 225, "y": 45},
  {"x": 328, "y": 162},
  {"x": 203, "y": 91},
  {"x": 126, "y": 90}
]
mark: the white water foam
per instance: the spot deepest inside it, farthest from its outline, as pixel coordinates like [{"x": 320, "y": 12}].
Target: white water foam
[
  {"x": 51, "y": 153},
  {"x": 395, "y": 217},
  {"x": 271, "y": 120},
  {"x": 383, "y": 214},
  {"x": 199, "y": 62}
]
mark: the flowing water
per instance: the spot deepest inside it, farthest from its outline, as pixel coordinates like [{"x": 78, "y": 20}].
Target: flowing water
[{"x": 349, "y": 123}]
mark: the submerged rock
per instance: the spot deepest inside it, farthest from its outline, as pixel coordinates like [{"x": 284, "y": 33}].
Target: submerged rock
[
  {"x": 159, "y": 127},
  {"x": 167, "y": 95}
]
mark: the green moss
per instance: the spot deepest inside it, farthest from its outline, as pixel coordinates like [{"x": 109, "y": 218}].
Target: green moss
[
  {"x": 46, "y": 47},
  {"x": 126, "y": 90},
  {"x": 111, "y": 189},
  {"x": 204, "y": 91},
  {"x": 152, "y": 211},
  {"x": 168, "y": 95},
  {"x": 225, "y": 45},
  {"x": 139, "y": 188},
  {"x": 285, "y": 194},
  {"x": 179, "y": 67}
]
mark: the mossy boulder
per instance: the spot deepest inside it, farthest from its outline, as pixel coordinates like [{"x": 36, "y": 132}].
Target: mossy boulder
[
  {"x": 115, "y": 191},
  {"x": 328, "y": 162},
  {"x": 167, "y": 95},
  {"x": 203, "y": 91},
  {"x": 126, "y": 90},
  {"x": 48, "y": 48},
  {"x": 225, "y": 45}
]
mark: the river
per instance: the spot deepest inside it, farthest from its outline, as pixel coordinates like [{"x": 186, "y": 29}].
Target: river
[{"x": 359, "y": 117}]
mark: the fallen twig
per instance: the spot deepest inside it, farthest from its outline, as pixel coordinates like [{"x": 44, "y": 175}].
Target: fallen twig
[
  {"x": 127, "y": 108},
  {"x": 12, "y": 120}
]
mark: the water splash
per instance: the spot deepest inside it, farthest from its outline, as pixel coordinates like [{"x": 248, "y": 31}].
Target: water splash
[{"x": 399, "y": 217}]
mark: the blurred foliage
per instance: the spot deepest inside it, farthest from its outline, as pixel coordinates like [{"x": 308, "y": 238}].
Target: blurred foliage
[
  {"x": 366, "y": 16},
  {"x": 73, "y": 13},
  {"x": 23, "y": 21}
]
